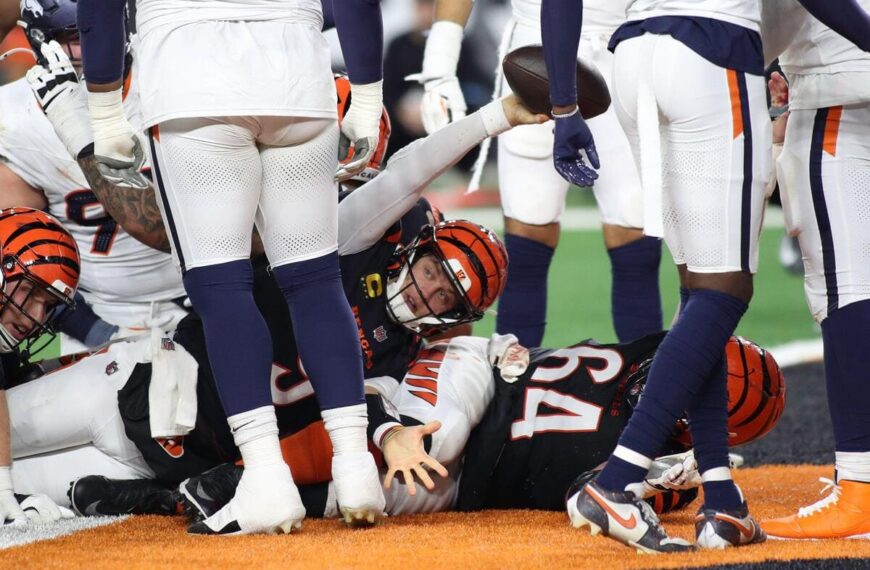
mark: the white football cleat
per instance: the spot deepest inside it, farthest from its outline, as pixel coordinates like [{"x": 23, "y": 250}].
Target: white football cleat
[
  {"x": 358, "y": 488},
  {"x": 266, "y": 502}
]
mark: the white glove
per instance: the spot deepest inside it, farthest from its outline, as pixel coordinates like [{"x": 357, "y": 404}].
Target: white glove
[
  {"x": 10, "y": 510},
  {"x": 117, "y": 149},
  {"x": 360, "y": 127},
  {"x": 507, "y": 354},
  {"x": 62, "y": 98},
  {"x": 678, "y": 472},
  {"x": 41, "y": 509},
  {"x": 443, "y": 101}
]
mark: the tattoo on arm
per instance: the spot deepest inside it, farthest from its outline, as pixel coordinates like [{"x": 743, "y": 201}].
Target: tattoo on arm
[{"x": 136, "y": 210}]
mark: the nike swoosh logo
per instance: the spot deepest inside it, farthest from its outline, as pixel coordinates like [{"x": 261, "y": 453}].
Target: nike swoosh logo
[
  {"x": 744, "y": 530},
  {"x": 200, "y": 492},
  {"x": 628, "y": 523},
  {"x": 247, "y": 423},
  {"x": 91, "y": 510}
]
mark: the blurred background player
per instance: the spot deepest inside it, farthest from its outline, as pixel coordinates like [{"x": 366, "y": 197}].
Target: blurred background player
[
  {"x": 125, "y": 282},
  {"x": 824, "y": 173},
  {"x": 240, "y": 102},
  {"x": 533, "y": 193},
  {"x": 40, "y": 273}
]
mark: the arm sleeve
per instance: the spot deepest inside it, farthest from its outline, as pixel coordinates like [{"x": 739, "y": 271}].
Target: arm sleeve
[
  {"x": 361, "y": 35},
  {"x": 561, "y": 21},
  {"x": 845, "y": 17},
  {"x": 102, "y": 33},
  {"x": 370, "y": 210}
]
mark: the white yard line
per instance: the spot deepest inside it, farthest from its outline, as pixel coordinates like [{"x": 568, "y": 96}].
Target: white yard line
[
  {"x": 798, "y": 352},
  {"x": 17, "y": 536},
  {"x": 576, "y": 218}
]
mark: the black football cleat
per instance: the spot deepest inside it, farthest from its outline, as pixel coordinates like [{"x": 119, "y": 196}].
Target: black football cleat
[
  {"x": 95, "y": 495},
  {"x": 724, "y": 529},
  {"x": 622, "y": 517},
  {"x": 205, "y": 494}
]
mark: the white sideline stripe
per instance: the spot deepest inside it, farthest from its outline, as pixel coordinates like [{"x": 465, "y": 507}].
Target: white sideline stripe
[
  {"x": 576, "y": 218},
  {"x": 17, "y": 536},
  {"x": 798, "y": 352}
]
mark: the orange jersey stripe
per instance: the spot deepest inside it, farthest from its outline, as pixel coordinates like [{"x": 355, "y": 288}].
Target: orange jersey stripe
[
  {"x": 736, "y": 112},
  {"x": 832, "y": 129}
]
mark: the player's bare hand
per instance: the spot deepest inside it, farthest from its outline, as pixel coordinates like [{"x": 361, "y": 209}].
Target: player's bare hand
[
  {"x": 571, "y": 136},
  {"x": 778, "y": 87},
  {"x": 517, "y": 114},
  {"x": 405, "y": 454},
  {"x": 360, "y": 129}
]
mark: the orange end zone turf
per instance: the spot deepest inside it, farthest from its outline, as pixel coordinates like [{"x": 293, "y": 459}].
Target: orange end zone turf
[{"x": 490, "y": 539}]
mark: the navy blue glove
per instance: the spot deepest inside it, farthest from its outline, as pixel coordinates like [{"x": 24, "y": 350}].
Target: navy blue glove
[{"x": 572, "y": 136}]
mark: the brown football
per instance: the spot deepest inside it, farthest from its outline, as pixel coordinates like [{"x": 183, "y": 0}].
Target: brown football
[{"x": 526, "y": 73}]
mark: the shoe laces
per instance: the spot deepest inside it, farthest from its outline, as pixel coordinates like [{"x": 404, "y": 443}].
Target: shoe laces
[{"x": 831, "y": 499}]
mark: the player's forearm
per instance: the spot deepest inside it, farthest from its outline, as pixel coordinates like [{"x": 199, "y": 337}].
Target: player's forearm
[
  {"x": 370, "y": 210},
  {"x": 456, "y": 11},
  {"x": 845, "y": 17},
  {"x": 103, "y": 37},
  {"x": 561, "y": 21},
  {"x": 135, "y": 209},
  {"x": 361, "y": 35}
]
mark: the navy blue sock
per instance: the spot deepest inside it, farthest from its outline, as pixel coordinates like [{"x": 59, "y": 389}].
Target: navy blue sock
[
  {"x": 522, "y": 308},
  {"x": 325, "y": 330},
  {"x": 722, "y": 495},
  {"x": 236, "y": 336},
  {"x": 683, "y": 363},
  {"x": 634, "y": 294},
  {"x": 708, "y": 424},
  {"x": 846, "y": 334}
]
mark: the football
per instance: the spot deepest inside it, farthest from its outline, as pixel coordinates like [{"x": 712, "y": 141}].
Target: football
[{"x": 526, "y": 72}]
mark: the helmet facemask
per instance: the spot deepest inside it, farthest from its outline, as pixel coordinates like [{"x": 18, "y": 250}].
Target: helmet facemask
[
  {"x": 16, "y": 295},
  {"x": 404, "y": 279}
]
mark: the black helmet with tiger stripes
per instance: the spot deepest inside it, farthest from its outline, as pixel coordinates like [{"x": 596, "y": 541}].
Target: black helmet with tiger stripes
[{"x": 39, "y": 270}]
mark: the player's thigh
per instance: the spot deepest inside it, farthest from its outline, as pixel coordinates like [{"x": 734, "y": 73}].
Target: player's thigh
[
  {"x": 71, "y": 406},
  {"x": 532, "y": 192},
  {"x": 208, "y": 178},
  {"x": 824, "y": 173},
  {"x": 298, "y": 210},
  {"x": 716, "y": 146},
  {"x": 52, "y": 473}
]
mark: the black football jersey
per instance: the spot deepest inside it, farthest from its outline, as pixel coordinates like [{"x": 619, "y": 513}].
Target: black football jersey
[{"x": 561, "y": 418}]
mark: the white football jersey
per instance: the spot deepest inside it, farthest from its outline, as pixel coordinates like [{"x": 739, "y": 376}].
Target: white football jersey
[
  {"x": 746, "y": 13},
  {"x": 824, "y": 68},
  {"x": 450, "y": 382},
  {"x": 151, "y": 14},
  {"x": 116, "y": 268},
  {"x": 599, "y": 16}
]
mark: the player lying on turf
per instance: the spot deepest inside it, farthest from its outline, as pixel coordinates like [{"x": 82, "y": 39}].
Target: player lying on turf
[
  {"x": 401, "y": 280},
  {"x": 517, "y": 425}
]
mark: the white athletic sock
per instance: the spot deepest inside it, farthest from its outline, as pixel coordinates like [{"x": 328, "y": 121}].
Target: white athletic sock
[
  {"x": 256, "y": 435},
  {"x": 853, "y": 465},
  {"x": 347, "y": 428},
  {"x": 716, "y": 474}
]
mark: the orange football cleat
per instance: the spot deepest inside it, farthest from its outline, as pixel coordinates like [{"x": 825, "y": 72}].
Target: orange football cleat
[{"x": 844, "y": 513}]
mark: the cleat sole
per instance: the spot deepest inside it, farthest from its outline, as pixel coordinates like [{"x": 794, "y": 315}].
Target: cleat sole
[{"x": 360, "y": 518}]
